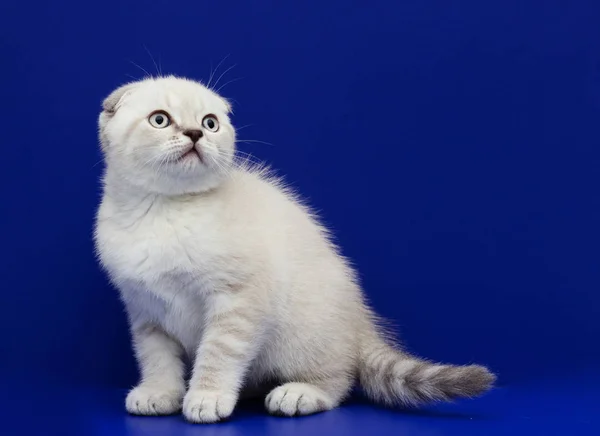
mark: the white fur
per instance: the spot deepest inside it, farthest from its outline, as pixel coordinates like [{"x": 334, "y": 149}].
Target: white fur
[{"x": 221, "y": 264}]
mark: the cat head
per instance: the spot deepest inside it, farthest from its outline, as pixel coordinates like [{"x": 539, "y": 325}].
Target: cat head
[{"x": 167, "y": 135}]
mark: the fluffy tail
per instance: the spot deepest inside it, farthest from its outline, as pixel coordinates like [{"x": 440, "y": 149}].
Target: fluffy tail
[{"x": 392, "y": 377}]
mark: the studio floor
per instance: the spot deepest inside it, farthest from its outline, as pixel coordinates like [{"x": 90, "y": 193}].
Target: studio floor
[{"x": 552, "y": 406}]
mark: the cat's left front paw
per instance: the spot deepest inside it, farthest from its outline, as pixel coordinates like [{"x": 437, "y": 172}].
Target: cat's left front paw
[{"x": 205, "y": 406}]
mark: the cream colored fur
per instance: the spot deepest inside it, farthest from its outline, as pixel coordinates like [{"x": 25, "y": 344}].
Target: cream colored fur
[{"x": 221, "y": 266}]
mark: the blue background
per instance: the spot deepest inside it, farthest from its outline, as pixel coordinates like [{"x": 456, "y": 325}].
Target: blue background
[{"x": 453, "y": 147}]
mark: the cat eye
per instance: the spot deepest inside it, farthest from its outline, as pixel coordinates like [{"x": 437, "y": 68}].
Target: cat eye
[
  {"x": 210, "y": 123},
  {"x": 159, "y": 119}
]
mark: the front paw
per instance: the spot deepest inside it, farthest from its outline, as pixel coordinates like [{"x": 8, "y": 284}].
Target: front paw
[
  {"x": 153, "y": 400},
  {"x": 205, "y": 406}
]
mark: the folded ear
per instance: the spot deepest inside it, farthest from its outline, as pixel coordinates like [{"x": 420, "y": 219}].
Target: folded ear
[{"x": 112, "y": 102}]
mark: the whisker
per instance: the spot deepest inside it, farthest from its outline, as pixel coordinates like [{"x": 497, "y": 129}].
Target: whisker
[
  {"x": 235, "y": 159},
  {"x": 222, "y": 74},
  {"x": 153, "y": 61},
  {"x": 152, "y": 161},
  {"x": 222, "y": 168},
  {"x": 227, "y": 83},
  {"x": 165, "y": 159},
  {"x": 97, "y": 163},
  {"x": 147, "y": 73},
  {"x": 149, "y": 160},
  {"x": 252, "y": 141},
  {"x": 243, "y": 153},
  {"x": 245, "y": 157},
  {"x": 212, "y": 73},
  {"x": 234, "y": 101}
]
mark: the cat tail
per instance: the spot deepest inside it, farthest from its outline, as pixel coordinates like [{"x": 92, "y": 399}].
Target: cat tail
[{"x": 392, "y": 377}]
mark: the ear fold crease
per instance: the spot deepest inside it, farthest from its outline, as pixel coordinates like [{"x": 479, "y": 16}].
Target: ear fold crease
[{"x": 114, "y": 100}]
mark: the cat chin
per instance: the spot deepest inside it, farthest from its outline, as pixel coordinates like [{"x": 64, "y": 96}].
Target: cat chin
[
  {"x": 172, "y": 181},
  {"x": 198, "y": 183}
]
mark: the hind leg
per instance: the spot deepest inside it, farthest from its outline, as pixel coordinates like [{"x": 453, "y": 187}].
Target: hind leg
[{"x": 297, "y": 398}]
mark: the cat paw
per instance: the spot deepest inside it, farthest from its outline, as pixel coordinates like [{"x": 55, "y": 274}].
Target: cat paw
[
  {"x": 205, "y": 407},
  {"x": 297, "y": 399},
  {"x": 152, "y": 400}
]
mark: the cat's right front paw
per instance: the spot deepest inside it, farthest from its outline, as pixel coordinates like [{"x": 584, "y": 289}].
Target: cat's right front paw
[{"x": 153, "y": 400}]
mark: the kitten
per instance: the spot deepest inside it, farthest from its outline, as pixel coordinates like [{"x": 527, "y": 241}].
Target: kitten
[{"x": 220, "y": 264}]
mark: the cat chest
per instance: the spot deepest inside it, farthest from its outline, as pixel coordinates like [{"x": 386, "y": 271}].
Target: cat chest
[
  {"x": 164, "y": 273},
  {"x": 166, "y": 255}
]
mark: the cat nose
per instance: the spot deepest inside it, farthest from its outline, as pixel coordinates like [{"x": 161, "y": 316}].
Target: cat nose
[{"x": 194, "y": 135}]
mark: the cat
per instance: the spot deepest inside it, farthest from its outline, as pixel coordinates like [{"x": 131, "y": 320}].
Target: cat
[{"x": 223, "y": 269}]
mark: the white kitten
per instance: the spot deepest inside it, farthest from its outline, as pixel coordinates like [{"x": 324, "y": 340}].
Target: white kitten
[{"x": 222, "y": 265}]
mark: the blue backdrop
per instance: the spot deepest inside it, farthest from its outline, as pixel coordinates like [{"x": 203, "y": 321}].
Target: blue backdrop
[{"x": 452, "y": 146}]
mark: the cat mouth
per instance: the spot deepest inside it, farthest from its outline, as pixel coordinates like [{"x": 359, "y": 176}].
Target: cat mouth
[{"x": 192, "y": 153}]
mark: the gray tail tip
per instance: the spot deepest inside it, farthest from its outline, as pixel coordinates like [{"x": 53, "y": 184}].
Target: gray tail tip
[{"x": 477, "y": 379}]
